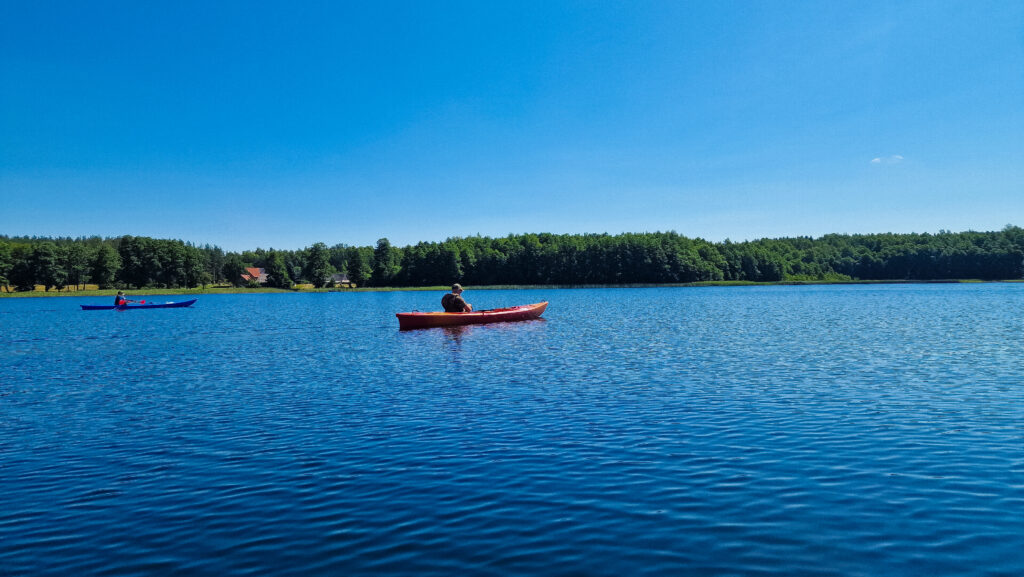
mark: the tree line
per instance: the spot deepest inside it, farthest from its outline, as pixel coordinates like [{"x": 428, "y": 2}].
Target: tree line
[{"x": 525, "y": 259}]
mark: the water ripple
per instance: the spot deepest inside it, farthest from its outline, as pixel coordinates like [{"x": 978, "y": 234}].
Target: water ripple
[{"x": 761, "y": 431}]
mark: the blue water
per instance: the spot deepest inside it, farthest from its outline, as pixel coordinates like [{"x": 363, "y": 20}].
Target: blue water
[{"x": 842, "y": 430}]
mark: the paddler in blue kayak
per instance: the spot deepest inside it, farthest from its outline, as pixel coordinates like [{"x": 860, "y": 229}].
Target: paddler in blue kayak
[
  {"x": 453, "y": 301},
  {"x": 120, "y": 300}
]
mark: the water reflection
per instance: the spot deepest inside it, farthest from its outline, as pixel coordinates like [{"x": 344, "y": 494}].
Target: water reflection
[{"x": 455, "y": 334}]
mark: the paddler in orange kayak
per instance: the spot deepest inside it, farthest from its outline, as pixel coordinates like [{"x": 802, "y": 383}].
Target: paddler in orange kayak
[{"x": 453, "y": 301}]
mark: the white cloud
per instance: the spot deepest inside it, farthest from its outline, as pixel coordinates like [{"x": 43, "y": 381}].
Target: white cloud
[{"x": 894, "y": 159}]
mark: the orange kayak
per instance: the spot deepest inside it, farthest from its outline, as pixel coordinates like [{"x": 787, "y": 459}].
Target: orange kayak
[{"x": 427, "y": 320}]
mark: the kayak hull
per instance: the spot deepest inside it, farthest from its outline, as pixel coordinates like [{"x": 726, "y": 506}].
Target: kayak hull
[
  {"x": 130, "y": 306},
  {"x": 417, "y": 320}
]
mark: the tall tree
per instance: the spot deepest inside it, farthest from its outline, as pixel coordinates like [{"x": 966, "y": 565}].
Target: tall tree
[
  {"x": 214, "y": 262},
  {"x": 196, "y": 269},
  {"x": 172, "y": 256},
  {"x": 318, "y": 264},
  {"x": 277, "y": 270},
  {"x": 359, "y": 269},
  {"x": 46, "y": 262},
  {"x": 105, "y": 265},
  {"x": 339, "y": 257},
  {"x": 23, "y": 274},
  {"x": 385, "y": 263},
  {"x": 6, "y": 263},
  {"x": 76, "y": 262},
  {"x": 233, "y": 268},
  {"x": 449, "y": 265},
  {"x": 135, "y": 261}
]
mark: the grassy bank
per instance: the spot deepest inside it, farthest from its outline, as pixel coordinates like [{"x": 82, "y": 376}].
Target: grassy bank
[{"x": 92, "y": 292}]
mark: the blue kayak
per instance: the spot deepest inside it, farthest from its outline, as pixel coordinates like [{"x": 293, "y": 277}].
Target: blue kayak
[{"x": 129, "y": 306}]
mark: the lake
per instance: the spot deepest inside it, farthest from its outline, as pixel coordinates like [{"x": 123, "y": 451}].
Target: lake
[{"x": 808, "y": 430}]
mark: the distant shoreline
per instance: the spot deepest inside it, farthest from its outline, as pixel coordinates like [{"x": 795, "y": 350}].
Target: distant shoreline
[{"x": 247, "y": 290}]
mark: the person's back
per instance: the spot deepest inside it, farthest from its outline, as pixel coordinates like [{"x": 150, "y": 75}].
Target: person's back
[{"x": 453, "y": 303}]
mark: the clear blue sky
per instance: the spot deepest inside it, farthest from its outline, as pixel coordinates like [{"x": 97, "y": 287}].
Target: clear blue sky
[{"x": 282, "y": 124}]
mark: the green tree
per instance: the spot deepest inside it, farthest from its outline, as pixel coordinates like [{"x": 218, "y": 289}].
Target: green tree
[
  {"x": 339, "y": 257},
  {"x": 135, "y": 261},
  {"x": 214, "y": 259},
  {"x": 76, "y": 262},
  {"x": 359, "y": 268},
  {"x": 233, "y": 269},
  {"x": 317, "y": 268},
  {"x": 449, "y": 264},
  {"x": 196, "y": 268},
  {"x": 22, "y": 274},
  {"x": 385, "y": 265},
  {"x": 277, "y": 270},
  {"x": 105, "y": 265},
  {"x": 6, "y": 263},
  {"x": 46, "y": 263}
]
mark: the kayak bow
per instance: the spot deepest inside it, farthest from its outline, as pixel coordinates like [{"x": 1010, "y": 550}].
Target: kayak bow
[{"x": 417, "y": 320}]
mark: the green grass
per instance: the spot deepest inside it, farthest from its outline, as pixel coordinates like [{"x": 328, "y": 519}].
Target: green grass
[{"x": 246, "y": 290}]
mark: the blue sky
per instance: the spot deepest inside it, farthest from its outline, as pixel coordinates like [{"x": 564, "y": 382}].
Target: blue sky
[{"x": 282, "y": 124}]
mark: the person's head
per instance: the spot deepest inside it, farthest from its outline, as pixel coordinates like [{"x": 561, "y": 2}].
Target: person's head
[
  {"x": 119, "y": 293},
  {"x": 456, "y": 288}
]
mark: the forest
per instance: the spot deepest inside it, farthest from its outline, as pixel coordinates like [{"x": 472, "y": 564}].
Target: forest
[{"x": 133, "y": 262}]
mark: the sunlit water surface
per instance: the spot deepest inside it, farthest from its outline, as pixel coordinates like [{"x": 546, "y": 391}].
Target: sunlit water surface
[{"x": 850, "y": 430}]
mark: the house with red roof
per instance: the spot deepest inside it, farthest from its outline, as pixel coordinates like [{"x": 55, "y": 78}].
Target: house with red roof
[{"x": 254, "y": 274}]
